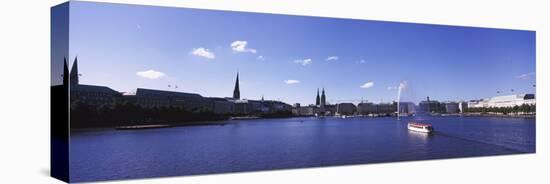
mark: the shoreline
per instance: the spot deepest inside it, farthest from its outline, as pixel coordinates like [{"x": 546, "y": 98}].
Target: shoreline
[
  {"x": 500, "y": 115},
  {"x": 163, "y": 124},
  {"x": 240, "y": 120}
]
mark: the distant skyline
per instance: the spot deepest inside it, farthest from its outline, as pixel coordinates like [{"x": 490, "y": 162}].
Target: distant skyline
[{"x": 287, "y": 58}]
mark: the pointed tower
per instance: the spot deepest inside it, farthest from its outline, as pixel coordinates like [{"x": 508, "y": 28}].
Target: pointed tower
[
  {"x": 236, "y": 91},
  {"x": 318, "y": 99},
  {"x": 323, "y": 98},
  {"x": 65, "y": 72},
  {"x": 74, "y": 73}
]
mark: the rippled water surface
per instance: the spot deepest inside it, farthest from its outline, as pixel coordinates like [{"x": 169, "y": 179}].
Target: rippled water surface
[{"x": 264, "y": 144}]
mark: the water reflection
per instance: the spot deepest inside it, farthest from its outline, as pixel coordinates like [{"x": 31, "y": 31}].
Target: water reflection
[{"x": 420, "y": 135}]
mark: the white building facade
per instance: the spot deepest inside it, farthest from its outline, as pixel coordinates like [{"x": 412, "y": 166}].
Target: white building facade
[{"x": 505, "y": 101}]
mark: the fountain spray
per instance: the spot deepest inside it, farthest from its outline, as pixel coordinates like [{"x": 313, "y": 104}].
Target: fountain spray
[{"x": 402, "y": 86}]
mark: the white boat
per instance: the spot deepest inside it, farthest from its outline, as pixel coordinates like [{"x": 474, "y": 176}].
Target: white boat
[{"x": 420, "y": 127}]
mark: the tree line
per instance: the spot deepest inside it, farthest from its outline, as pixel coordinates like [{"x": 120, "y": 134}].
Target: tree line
[{"x": 525, "y": 109}]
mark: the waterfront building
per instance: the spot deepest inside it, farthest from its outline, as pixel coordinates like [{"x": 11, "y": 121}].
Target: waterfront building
[
  {"x": 329, "y": 109},
  {"x": 93, "y": 95},
  {"x": 255, "y": 106},
  {"x": 386, "y": 108},
  {"x": 89, "y": 94},
  {"x": 277, "y": 106},
  {"x": 222, "y": 106},
  {"x": 345, "y": 109},
  {"x": 505, "y": 101},
  {"x": 462, "y": 106},
  {"x": 249, "y": 107},
  {"x": 242, "y": 107},
  {"x": 157, "y": 98},
  {"x": 431, "y": 106},
  {"x": 310, "y": 110},
  {"x": 151, "y": 98},
  {"x": 320, "y": 108},
  {"x": 473, "y": 103},
  {"x": 368, "y": 108},
  {"x": 451, "y": 107}
]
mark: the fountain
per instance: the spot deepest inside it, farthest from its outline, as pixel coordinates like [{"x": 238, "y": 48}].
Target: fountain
[{"x": 400, "y": 88}]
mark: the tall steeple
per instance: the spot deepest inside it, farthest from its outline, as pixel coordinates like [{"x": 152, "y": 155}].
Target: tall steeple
[
  {"x": 317, "y": 99},
  {"x": 323, "y": 98},
  {"x": 65, "y": 72},
  {"x": 236, "y": 91},
  {"x": 74, "y": 73}
]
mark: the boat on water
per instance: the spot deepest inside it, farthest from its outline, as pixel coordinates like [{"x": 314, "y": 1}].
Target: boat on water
[{"x": 420, "y": 127}]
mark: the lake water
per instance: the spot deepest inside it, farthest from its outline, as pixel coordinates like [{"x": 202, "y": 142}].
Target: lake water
[{"x": 265, "y": 144}]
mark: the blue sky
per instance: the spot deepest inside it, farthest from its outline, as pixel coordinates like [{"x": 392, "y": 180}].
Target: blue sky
[{"x": 288, "y": 57}]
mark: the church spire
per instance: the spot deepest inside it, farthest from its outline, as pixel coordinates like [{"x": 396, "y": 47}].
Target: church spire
[
  {"x": 323, "y": 98},
  {"x": 74, "y": 73},
  {"x": 236, "y": 91},
  {"x": 317, "y": 99},
  {"x": 65, "y": 72}
]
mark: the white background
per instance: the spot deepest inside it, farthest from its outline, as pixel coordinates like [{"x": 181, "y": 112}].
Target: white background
[{"x": 25, "y": 80}]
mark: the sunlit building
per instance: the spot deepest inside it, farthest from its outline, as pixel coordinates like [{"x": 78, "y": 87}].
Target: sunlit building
[{"x": 505, "y": 101}]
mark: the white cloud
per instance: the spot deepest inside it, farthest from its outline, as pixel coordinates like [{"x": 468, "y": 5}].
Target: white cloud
[
  {"x": 526, "y": 76},
  {"x": 303, "y": 62},
  {"x": 332, "y": 58},
  {"x": 151, "y": 74},
  {"x": 392, "y": 87},
  {"x": 202, "y": 52},
  {"x": 261, "y": 58},
  {"x": 290, "y": 81},
  {"x": 367, "y": 85},
  {"x": 240, "y": 46},
  {"x": 362, "y": 61}
]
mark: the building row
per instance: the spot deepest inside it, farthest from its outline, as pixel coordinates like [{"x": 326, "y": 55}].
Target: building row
[
  {"x": 363, "y": 108},
  {"x": 504, "y": 101},
  {"x": 458, "y": 107},
  {"x": 426, "y": 106},
  {"x": 434, "y": 106},
  {"x": 151, "y": 98}
]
